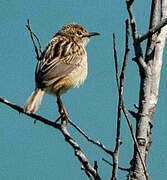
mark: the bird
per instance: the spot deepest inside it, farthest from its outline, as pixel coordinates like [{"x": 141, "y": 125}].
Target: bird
[{"x": 61, "y": 66}]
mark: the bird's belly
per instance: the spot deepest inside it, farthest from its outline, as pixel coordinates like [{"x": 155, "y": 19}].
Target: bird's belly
[{"x": 72, "y": 80}]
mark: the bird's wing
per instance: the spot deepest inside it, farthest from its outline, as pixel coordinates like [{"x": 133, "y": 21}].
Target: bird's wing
[{"x": 57, "y": 61}]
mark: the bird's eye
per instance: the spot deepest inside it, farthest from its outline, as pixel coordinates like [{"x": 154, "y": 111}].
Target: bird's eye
[{"x": 79, "y": 33}]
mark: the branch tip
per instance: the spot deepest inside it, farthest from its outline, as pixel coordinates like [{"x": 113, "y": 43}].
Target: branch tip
[{"x": 33, "y": 35}]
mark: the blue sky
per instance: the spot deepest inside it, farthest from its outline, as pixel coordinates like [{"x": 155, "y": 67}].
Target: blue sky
[{"x": 33, "y": 152}]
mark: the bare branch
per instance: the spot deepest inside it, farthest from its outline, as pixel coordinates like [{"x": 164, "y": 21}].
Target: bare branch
[
  {"x": 118, "y": 139},
  {"x": 163, "y": 9},
  {"x": 135, "y": 140},
  {"x": 156, "y": 67},
  {"x": 125, "y": 56},
  {"x": 120, "y": 88},
  {"x": 116, "y": 61},
  {"x": 132, "y": 19},
  {"x": 154, "y": 21},
  {"x": 138, "y": 51},
  {"x": 34, "y": 116},
  {"x": 97, "y": 143},
  {"x": 120, "y": 85},
  {"x": 155, "y": 13},
  {"x": 153, "y": 30},
  {"x": 123, "y": 169},
  {"x": 130, "y": 2},
  {"x": 87, "y": 173},
  {"x": 80, "y": 155},
  {"x": 136, "y": 106},
  {"x": 134, "y": 114},
  {"x": 96, "y": 166},
  {"x": 32, "y": 35},
  {"x": 63, "y": 129},
  {"x": 149, "y": 84}
]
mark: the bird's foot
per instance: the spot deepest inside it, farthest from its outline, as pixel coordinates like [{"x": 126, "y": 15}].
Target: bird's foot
[
  {"x": 62, "y": 111},
  {"x": 63, "y": 117},
  {"x": 58, "y": 119}
]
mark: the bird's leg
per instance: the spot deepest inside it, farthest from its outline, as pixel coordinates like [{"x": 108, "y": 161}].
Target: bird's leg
[{"x": 62, "y": 110}]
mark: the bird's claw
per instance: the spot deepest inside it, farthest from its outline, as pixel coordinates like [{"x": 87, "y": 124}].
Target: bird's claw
[{"x": 63, "y": 117}]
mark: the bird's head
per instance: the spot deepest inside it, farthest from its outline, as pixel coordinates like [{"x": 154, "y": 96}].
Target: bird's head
[{"x": 77, "y": 32}]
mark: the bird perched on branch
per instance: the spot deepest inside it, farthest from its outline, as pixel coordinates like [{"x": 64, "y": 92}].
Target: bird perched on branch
[{"x": 62, "y": 66}]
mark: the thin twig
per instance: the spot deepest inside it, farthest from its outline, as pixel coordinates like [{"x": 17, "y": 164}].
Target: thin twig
[
  {"x": 116, "y": 61},
  {"x": 63, "y": 129},
  {"x": 135, "y": 140},
  {"x": 87, "y": 173},
  {"x": 80, "y": 155},
  {"x": 32, "y": 35},
  {"x": 97, "y": 143},
  {"x": 136, "y": 106},
  {"x": 118, "y": 140},
  {"x": 132, "y": 19},
  {"x": 126, "y": 54},
  {"x": 120, "y": 85},
  {"x": 96, "y": 166},
  {"x": 138, "y": 50},
  {"x": 34, "y": 116},
  {"x": 123, "y": 169}
]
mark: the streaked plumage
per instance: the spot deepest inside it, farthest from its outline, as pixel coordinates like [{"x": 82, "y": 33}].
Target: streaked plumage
[{"x": 62, "y": 65}]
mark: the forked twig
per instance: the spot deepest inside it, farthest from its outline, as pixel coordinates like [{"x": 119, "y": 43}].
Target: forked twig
[
  {"x": 32, "y": 35},
  {"x": 88, "y": 169},
  {"x": 153, "y": 30},
  {"x": 97, "y": 143},
  {"x": 138, "y": 50}
]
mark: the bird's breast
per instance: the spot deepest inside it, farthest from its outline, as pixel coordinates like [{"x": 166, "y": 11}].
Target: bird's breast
[
  {"x": 72, "y": 80},
  {"x": 79, "y": 74}
]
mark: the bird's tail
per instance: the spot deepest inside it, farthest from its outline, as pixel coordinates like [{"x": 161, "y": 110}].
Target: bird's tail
[{"x": 34, "y": 101}]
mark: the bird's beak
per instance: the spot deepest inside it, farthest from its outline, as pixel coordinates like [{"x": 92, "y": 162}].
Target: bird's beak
[{"x": 93, "y": 34}]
